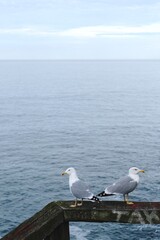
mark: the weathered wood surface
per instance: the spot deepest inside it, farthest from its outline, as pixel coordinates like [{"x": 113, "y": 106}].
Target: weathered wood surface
[
  {"x": 52, "y": 222},
  {"x": 115, "y": 211},
  {"x": 42, "y": 226}
]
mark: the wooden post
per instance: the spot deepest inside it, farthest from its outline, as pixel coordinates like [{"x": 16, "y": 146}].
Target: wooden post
[
  {"x": 52, "y": 222},
  {"x": 48, "y": 224},
  {"x": 60, "y": 233}
]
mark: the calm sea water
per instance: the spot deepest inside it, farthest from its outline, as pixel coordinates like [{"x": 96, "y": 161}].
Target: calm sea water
[{"x": 101, "y": 117}]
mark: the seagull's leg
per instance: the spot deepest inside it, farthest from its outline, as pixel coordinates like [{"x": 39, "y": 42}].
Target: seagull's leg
[
  {"x": 124, "y": 197},
  {"x": 80, "y": 204},
  {"x": 127, "y": 201},
  {"x": 75, "y": 204}
]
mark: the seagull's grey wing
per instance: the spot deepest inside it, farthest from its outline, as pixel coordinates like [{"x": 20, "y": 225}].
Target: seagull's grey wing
[
  {"x": 80, "y": 190},
  {"x": 122, "y": 186}
]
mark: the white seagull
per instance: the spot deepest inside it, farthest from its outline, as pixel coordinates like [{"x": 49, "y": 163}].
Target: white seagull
[
  {"x": 124, "y": 185},
  {"x": 78, "y": 188}
]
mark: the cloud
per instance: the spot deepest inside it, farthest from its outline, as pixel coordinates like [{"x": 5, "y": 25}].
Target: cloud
[
  {"x": 88, "y": 31},
  {"x": 100, "y": 31}
]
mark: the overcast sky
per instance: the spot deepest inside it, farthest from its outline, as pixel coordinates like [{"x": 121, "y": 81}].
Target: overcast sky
[{"x": 79, "y": 29}]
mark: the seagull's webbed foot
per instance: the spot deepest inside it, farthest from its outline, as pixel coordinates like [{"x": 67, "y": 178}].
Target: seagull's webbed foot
[
  {"x": 80, "y": 204},
  {"x": 126, "y": 200},
  {"x": 129, "y": 203},
  {"x": 75, "y": 204}
]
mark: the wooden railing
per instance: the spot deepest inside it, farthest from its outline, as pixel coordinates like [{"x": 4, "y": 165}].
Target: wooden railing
[{"x": 52, "y": 222}]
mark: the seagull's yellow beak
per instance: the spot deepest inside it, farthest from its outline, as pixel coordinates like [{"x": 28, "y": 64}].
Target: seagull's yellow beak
[
  {"x": 63, "y": 173},
  {"x": 141, "y": 171}
]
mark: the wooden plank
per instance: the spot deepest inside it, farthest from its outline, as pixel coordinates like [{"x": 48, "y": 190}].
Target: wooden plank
[
  {"x": 60, "y": 233},
  {"x": 40, "y": 226},
  {"x": 115, "y": 211},
  {"x": 52, "y": 222}
]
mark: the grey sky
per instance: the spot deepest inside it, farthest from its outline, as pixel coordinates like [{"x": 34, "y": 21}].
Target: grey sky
[{"x": 79, "y": 29}]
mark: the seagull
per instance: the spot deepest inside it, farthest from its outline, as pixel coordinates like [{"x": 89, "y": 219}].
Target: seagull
[
  {"x": 124, "y": 185},
  {"x": 78, "y": 188}
]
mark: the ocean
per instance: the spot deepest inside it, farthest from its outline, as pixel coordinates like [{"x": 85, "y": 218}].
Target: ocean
[{"x": 101, "y": 117}]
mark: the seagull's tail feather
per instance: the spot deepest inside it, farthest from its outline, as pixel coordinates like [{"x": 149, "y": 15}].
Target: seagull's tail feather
[
  {"x": 94, "y": 198},
  {"x": 103, "y": 194}
]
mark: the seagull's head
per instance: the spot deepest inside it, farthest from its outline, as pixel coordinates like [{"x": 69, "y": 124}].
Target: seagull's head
[
  {"x": 135, "y": 170},
  {"x": 69, "y": 171}
]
